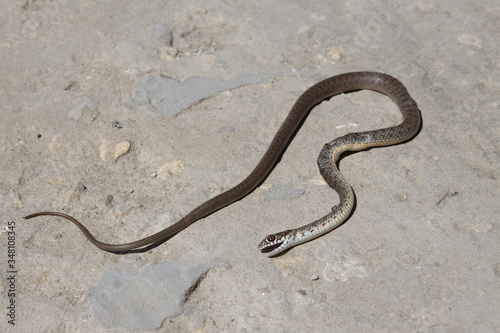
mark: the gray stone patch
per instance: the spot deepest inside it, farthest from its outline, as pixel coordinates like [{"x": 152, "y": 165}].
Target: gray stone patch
[
  {"x": 143, "y": 300},
  {"x": 129, "y": 48},
  {"x": 88, "y": 102},
  {"x": 162, "y": 32},
  {"x": 281, "y": 192},
  {"x": 170, "y": 97}
]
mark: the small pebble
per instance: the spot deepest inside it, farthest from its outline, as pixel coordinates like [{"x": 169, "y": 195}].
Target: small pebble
[
  {"x": 74, "y": 192},
  {"x": 121, "y": 149},
  {"x": 110, "y": 153},
  {"x": 108, "y": 200},
  {"x": 170, "y": 168},
  {"x": 315, "y": 277}
]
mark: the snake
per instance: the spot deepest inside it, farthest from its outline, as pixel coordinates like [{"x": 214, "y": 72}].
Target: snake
[{"x": 279, "y": 242}]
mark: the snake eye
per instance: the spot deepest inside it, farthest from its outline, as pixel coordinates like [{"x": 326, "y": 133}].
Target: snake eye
[{"x": 270, "y": 238}]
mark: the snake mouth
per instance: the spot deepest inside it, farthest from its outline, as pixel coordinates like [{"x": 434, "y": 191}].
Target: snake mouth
[{"x": 271, "y": 248}]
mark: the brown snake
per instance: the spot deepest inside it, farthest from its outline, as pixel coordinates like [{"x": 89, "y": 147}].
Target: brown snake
[{"x": 327, "y": 161}]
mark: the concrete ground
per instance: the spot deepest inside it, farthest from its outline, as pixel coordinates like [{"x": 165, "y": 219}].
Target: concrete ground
[{"x": 127, "y": 115}]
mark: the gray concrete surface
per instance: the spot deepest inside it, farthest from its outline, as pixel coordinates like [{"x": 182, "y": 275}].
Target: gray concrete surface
[{"x": 129, "y": 114}]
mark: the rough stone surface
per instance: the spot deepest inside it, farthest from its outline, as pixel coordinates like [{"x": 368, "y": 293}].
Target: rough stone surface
[
  {"x": 208, "y": 83},
  {"x": 123, "y": 297}
]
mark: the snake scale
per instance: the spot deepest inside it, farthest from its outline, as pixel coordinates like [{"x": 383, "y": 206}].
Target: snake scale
[{"x": 327, "y": 162}]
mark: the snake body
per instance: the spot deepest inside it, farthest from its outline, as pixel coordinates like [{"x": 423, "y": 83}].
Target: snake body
[{"x": 278, "y": 242}]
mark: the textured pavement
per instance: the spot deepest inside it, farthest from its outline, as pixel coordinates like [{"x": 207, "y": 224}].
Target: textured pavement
[{"x": 127, "y": 115}]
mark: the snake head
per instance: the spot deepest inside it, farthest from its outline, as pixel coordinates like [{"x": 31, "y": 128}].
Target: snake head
[{"x": 274, "y": 243}]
